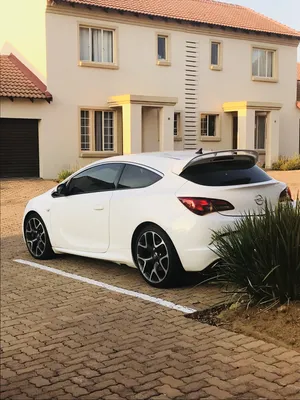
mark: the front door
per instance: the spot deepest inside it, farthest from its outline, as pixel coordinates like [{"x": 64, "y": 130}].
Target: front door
[{"x": 80, "y": 220}]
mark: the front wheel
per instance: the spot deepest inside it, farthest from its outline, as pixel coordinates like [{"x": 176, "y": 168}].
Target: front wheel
[
  {"x": 157, "y": 258},
  {"x": 36, "y": 237}
]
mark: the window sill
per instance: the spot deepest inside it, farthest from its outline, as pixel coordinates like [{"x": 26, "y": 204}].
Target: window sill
[
  {"x": 210, "y": 139},
  {"x": 98, "y": 154},
  {"x": 163, "y": 63},
  {"x": 97, "y": 65},
  {"x": 177, "y": 139},
  {"x": 261, "y": 79},
  {"x": 216, "y": 67}
]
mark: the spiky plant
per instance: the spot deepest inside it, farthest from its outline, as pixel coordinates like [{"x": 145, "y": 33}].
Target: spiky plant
[{"x": 262, "y": 253}]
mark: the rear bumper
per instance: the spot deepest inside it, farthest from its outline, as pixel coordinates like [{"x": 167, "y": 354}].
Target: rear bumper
[{"x": 192, "y": 238}]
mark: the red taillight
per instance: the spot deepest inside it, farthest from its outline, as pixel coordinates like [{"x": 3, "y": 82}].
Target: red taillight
[
  {"x": 203, "y": 206},
  {"x": 286, "y": 195}
]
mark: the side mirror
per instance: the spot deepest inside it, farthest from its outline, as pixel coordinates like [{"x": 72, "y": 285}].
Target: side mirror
[{"x": 61, "y": 190}]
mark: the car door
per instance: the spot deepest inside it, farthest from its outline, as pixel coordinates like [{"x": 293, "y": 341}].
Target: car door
[
  {"x": 130, "y": 202},
  {"x": 80, "y": 218}
]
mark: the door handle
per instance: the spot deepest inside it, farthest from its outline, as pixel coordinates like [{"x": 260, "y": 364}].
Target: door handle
[{"x": 99, "y": 207}]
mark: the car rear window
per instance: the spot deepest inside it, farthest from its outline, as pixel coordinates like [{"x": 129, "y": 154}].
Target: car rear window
[{"x": 225, "y": 173}]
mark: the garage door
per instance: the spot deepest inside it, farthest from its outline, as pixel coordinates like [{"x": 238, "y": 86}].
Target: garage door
[{"x": 19, "y": 148}]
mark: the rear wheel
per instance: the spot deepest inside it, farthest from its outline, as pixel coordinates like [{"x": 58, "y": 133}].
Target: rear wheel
[
  {"x": 157, "y": 258},
  {"x": 36, "y": 237}
]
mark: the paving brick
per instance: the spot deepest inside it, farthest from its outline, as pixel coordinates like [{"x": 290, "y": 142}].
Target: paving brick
[
  {"x": 271, "y": 386},
  {"x": 269, "y": 376},
  {"x": 39, "y": 381},
  {"x": 289, "y": 379},
  {"x": 146, "y": 395},
  {"x": 221, "y": 384},
  {"x": 168, "y": 391},
  {"x": 217, "y": 393},
  {"x": 266, "y": 394},
  {"x": 173, "y": 382}
]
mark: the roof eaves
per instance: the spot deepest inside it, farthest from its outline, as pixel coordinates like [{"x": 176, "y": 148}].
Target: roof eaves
[{"x": 179, "y": 20}]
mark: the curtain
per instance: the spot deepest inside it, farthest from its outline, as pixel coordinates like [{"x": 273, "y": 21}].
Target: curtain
[
  {"x": 97, "y": 45},
  {"x": 108, "y": 46},
  {"x": 255, "y": 58},
  {"x": 84, "y": 44},
  {"x": 270, "y": 64},
  {"x": 262, "y": 63}
]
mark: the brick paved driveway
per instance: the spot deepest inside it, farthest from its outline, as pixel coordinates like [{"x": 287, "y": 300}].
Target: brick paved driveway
[{"x": 65, "y": 339}]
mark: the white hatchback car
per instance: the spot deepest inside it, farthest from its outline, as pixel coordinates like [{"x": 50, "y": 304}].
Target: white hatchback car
[{"x": 155, "y": 211}]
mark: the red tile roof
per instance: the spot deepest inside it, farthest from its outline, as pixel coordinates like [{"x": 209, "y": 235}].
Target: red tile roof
[
  {"x": 16, "y": 80},
  {"x": 202, "y": 11}
]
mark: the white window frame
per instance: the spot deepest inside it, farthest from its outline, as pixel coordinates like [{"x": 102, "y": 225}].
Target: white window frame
[
  {"x": 204, "y": 136},
  {"x": 265, "y": 78},
  {"x": 163, "y": 62},
  {"x": 92, "y": 133},
  {"x": 99, "y": 64},
  {"x": 219, "y": 66}
]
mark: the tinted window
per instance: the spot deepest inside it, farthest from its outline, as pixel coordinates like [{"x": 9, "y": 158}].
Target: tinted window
[
  {"x": 225, "y": 173},
  {"x": 134, "y": 177},
  {"x": 96, "y": 179}
]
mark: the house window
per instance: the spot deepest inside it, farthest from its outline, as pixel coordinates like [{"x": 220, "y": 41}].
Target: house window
[
  {"x": 97, "y": 130},
  {"x": 176, "y": 124},
  {"x": 209, "y": 125},
  {"x": 263, "y": 62},
  {"x": 215, "y": 55},
  {"x": 260, "y": 132},
  {"x": 96, "y": 45}
]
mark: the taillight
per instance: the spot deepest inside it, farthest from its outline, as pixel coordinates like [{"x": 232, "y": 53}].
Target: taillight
[
  {"x": 286, "y": 195},
  {"x": 203, "y": 206}
]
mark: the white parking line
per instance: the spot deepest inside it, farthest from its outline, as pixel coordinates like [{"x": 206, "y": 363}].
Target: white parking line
[{"x": 106, "y": 286}]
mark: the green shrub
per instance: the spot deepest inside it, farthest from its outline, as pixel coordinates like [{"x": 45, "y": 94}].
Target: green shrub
[
  {"x": 262, "y": 254},
  {"x": 287, "y": 164},
  {"x": 64, "y": 174}
]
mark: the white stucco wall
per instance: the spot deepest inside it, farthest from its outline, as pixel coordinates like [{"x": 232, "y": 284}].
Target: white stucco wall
[{"x": 73, "y": 86}]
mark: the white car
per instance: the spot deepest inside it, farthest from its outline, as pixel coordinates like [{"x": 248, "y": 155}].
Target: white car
[{"x": 155, "y": 211}]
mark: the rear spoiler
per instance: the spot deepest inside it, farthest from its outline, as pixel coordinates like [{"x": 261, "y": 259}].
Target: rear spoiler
[{"x": 216, "y": 156}]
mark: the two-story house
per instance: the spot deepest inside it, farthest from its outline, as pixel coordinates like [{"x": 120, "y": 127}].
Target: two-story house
[{"x": 87, "y": 79}]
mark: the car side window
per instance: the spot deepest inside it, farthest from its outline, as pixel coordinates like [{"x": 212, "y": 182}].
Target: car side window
[
  {"x": 134, "y": 177},
  {"x": 96, "y": 179}
]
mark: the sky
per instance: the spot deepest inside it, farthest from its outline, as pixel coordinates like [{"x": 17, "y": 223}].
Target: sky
[{"x": 285, "y": 11}]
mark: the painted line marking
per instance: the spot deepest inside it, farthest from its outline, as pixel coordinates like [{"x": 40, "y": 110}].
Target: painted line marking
[{"x": 116, "y": 289}]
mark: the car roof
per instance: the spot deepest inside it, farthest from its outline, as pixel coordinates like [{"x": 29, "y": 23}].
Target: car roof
[
  {"x": 177, "y": 161},
  {"x": 161, "y": 161}
]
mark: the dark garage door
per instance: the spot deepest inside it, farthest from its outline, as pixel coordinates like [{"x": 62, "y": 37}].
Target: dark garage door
[{"x": 19, "y": 148}]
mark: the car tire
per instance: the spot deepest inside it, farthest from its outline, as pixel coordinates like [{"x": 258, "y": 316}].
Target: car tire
[
  {"x": 156, "y": 257},
  {"x": 37, "y": 238}
]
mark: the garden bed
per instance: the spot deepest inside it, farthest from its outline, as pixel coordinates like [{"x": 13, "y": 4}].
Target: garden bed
[{"x": 278, "y": 325}]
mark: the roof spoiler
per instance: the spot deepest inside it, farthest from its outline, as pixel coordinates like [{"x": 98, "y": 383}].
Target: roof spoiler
[{"x": 216, "y": 156}]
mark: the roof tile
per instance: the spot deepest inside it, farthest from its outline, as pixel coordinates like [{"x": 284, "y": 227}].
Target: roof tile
[
  {"x": 16, "y": 80},
  {"x": 203, "y": 11}
]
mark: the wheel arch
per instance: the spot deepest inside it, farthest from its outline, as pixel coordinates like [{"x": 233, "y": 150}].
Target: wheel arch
[{"x": 139, "y": 228}]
